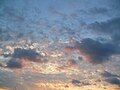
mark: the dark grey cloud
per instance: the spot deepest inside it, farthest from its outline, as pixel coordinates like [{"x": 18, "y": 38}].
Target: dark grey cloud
[
  {"x": 29, "y": 54},
  {"x": 79, "y": 83},
  {"x": 14, "y": 63},
  {"x": 114, "y": 80},
  {"x": 98, "y": 52},
  {"x": 107, "y": 74},
  {"x": 80, "y": 58},
  {"x": 111, "y": 78},
  {"x": 95, "y": 51},
  {"x": 75, "y": 82},
  {"x": 20, "y": 55}
]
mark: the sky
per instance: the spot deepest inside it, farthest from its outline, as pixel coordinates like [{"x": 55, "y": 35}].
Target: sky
[{"x": 35, "y": 30}]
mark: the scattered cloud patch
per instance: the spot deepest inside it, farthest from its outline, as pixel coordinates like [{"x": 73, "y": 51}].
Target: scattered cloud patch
[
  {"x": 28, "y": 54},
  {"x": 95, "y": 51},
  {"x": 113, "y": 81},
  {"x": 75, "y": 82},
  {"x": 71, "y": 63},
  {"x": 14, "y": 63},
  {"x": 22, "y": 58},
  {"x": 98, "y": 52},
  {"x": 108, "y": 74}
]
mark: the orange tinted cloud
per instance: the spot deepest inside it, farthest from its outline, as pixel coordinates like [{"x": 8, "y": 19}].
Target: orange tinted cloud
[{"x": 69, "y": 49}]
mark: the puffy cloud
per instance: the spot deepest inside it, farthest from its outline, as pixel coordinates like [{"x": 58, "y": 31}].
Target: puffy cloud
[
  {"x": 19, "y": 53},
  {"x": 98, "y": 52},
  {"x": 28, "y": 54},
  {"x": 95, "y": 51},
  {"x": 14, "y": 63},
  {"x": 22, "y": 56}
]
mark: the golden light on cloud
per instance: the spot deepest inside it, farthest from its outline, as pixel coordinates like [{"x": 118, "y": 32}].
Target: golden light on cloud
[{"x": 60, "y": 85}]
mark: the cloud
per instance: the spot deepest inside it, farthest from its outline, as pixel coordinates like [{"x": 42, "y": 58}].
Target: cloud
[
  {"x": 110, "y": 78},
  {"x": 98, "y": 52},
  {"x": 97, "y": 10},
  {"x": 1, "y": 65},
  {"x": 75, "y": 82},
  {"x": 28, "y": 54},
  {"x": 71, "y": 63},
  {"x": 19, "y": 55},
  {"x": 110, "y": 26},
  {"x": 108, "y": 74},
  {"x": 95, "y": 51},
  {"x": 113, "y": 81},
  {"x": 68, "y": 49},
  {"x": 14, "y": 63},
  {"x": 67, "y": 64},
  {"x": 116, "y": 37},
  {"x": 116, "y": 5}
]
